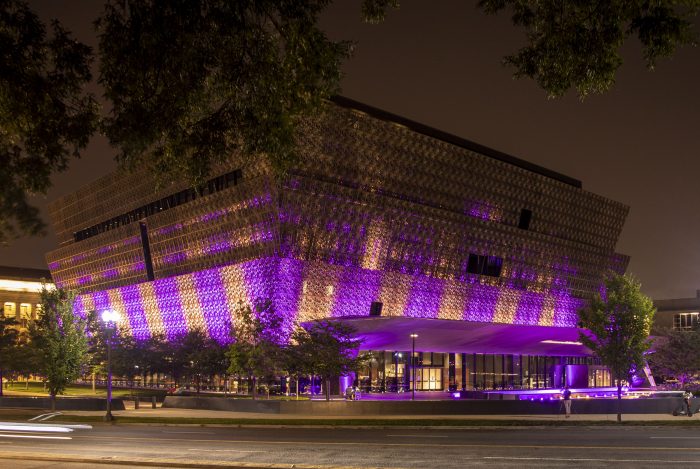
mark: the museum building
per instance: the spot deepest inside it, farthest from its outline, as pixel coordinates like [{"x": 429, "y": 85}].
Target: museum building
[{"x": 391, "y": 226}]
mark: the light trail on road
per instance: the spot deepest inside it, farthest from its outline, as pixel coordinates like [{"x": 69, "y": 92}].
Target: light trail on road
[{"x": 36, "y": 437}]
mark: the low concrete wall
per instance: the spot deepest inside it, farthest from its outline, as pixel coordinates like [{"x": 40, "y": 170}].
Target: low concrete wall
[
  {"x": 62, "y": 403},
  {"x": 460, "y": 407},
  {"x": 223, "y": 403}
]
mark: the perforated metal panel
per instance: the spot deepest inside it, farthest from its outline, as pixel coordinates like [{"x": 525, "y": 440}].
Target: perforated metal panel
[{"x": 375, "y": 211}]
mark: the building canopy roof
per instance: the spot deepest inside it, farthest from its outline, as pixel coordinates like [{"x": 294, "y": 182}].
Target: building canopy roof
[{"x": 441, "y": 335}]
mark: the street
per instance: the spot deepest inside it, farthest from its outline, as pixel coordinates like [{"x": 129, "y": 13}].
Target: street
[{"x": 593, "y": 446}]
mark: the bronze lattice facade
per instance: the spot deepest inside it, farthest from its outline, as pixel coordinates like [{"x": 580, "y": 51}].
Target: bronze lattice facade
[{"x": 381, "y": 213}]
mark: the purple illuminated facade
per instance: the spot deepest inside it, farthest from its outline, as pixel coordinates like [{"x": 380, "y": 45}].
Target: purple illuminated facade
[{"x": 442, "y": 235}]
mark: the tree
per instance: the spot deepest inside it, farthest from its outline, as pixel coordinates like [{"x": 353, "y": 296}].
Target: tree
[
  {"x": 616, "y": 327},
  {"x": 8, "y": 344},
  {"x": 45, "y": 117},
  {"x": 200, "y": 355},
  {"x": 97, "y": 346},
  {"x": 677, "y": 355},
  {"x": 209, "y": 361},
  {"x": 156, "y": 350},
  {"x": 328, "y": 349},
  {"x": 256, "y": 352},
  {"x": 59, "y": 338},
  {"x": 24, "y": 360},
  {"x": 577, "y": 44},
  {"x": 192, "y": 81}
]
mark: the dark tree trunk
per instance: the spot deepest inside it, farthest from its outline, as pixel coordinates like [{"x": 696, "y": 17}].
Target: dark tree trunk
[
  {"x": 0, "y": 382},
  {"x": 255, "y": 387},
  {"x": 52, "y": 398},
  {"x": 328, "y": 388},
  {"x": 619, "y": 400}
]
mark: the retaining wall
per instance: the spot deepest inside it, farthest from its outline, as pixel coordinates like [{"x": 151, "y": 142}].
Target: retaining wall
[{"x": 458, "y": 407}]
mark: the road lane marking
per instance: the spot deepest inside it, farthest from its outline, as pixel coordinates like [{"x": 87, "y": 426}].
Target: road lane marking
[
  {"x": 421, "y": 436},
  {"x": 191, "y": 433},
  {"x": 226, "y": 450},
  {"x": 695, "y": 461},
  {"x": 37, "y": 437},
  {"x": 675, "y": 437}
]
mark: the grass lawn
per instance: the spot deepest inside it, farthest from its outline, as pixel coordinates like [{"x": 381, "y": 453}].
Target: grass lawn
[{"x": 37, "y": 389}]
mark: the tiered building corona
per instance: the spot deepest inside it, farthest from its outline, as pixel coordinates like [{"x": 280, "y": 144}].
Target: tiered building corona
[{"x": 389, "y": 225}]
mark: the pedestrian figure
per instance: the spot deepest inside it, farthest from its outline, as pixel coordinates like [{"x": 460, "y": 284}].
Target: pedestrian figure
[
  {"x": 566, "y": 395},
  {"x": 687, "y": 396}
]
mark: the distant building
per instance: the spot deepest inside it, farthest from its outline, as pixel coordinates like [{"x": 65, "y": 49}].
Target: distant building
[
  {"x": 678, "y": 314},
  {"x": 20, "y": 292},
  {"x": 387, "y": 224}
]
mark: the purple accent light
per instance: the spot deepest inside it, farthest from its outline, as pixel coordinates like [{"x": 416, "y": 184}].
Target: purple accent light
[
  {"x": 79, "y": 307},
  {"x": 133, "y": 306},
  {"x": 565, "y": 309},
  {"x": 212, "y": 296},
  {"x": 424, "y": 298},
  {"x": 85, "y": 279},
  {"x": 529, "y": 308},
  {"x": 101, "y": 301},
  {"x": 175, "y": 258},
  {"x": 481, "y": 303},
  {"x": 168, "y": 300},
  {"x": 111, "y": 273},
  {"x": 356, "y": 290},
  {"x": 288, "y": 292}
]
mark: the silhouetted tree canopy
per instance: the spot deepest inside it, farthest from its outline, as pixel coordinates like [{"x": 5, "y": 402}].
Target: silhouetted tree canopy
[
  {"x": 677, "y": 355},
  {"x": 189, "y": 82},
  {"x": 576, "y": 44},
  {"x": 45, "y": 116}
]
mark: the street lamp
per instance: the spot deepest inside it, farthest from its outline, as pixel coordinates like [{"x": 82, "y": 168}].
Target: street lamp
[
  {"x": 109, "y": 317},
  {"x": 413, "y": 366}
]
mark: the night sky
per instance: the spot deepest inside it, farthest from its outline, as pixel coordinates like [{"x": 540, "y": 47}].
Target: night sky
[{"x": 439, "y": 63}]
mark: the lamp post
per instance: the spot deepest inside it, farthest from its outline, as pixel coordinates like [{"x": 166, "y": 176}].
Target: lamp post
[
  {"x": 109, "y": 317},
  {"x": 413, "y": 366}
]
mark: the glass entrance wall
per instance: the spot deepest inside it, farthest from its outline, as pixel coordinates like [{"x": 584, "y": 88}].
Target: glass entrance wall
[{"x": 392, "y": 371}]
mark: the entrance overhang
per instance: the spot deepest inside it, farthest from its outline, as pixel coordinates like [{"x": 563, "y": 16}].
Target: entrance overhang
[{"x": 444, "y": 335}]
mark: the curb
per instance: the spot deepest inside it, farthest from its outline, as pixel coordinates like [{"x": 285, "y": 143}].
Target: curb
[{"x": 155, "y": 462}]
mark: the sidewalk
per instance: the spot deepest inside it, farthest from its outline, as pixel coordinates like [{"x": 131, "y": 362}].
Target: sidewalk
[{"x": 160, "y": 412}]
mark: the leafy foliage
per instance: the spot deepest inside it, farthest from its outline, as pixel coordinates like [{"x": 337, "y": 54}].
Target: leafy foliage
[
  {"x": 257, "y": 348},
  {"x": 677, "y": 355},
  {"x": 8, "y": 344},
  {"x": 374, "y": 11},
  {"x": 60, "y": 340},
  {"x": 326, "y": 348},
  {"x": 45, "y": 118},
  {"x": 195, "y": 354},
  {"x": 192, "y": 81},
  {"x": 577, "y": 44},
  {"x": 617, "y": 324}
]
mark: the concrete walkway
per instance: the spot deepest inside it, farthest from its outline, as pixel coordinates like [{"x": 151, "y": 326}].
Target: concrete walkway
[{"x": 160, "y": 412}]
